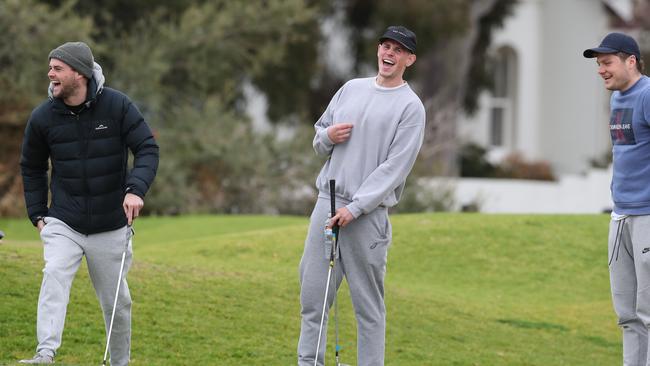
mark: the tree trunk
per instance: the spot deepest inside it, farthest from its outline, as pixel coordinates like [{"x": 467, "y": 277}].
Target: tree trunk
[{"x": 447, "y": 68}]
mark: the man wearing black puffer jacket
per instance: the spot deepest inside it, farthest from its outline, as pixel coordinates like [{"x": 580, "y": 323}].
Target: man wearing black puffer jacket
[{"x": 85, "y": 131}]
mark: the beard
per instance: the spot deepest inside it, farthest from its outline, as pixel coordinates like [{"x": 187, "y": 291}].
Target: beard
[{"x": 67, "y": 89}]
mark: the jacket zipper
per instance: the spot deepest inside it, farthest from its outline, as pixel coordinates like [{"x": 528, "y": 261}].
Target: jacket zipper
[{"x": 84, "y": 162}]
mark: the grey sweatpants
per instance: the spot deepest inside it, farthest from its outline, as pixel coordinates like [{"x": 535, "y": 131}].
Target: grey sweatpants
[
  {"x": 363, "y": 251},
  {"x": 63, "y": 250},
  {"x": 629, "y": 269}
]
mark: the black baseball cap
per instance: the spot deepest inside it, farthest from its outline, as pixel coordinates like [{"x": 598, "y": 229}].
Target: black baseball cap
[
  {"x": 614, "y": 43},
  {"x": 402, "y": 35}
]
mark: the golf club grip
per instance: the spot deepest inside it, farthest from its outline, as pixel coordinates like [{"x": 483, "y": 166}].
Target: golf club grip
[
  {"x": 332, "y": 197},
  {"x": 335, "y": 228}
]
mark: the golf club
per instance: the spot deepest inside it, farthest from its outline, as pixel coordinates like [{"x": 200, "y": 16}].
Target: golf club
[
  {"x": 335, "y": 241},
  {"x": 129, "y": 235},
  {"x": 331, "y": 234}
]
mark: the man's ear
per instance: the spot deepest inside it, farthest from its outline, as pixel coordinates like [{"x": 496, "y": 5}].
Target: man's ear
[
  {"x": 410, "y": 60},
  {"x": 633, "y": 61}
]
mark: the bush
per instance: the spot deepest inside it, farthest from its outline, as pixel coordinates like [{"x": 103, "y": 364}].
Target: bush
[
  {"x": 473, "y": 163},
  {"x": 419, "y": 197},
  {"x": 515, "y": 167},
  {"x": 229, "y": 167}
]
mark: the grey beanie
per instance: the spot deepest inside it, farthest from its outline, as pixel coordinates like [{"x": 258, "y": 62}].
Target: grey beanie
[{"x": 77, "y": 55}]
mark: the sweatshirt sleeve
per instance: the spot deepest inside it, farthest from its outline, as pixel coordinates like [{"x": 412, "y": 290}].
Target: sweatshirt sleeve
[
  {"x": 34, "y": 166},
  {"x": 142, "y": 144},
  {"x": 390, "y": 174},
  {"x": 322, "y": 143}
]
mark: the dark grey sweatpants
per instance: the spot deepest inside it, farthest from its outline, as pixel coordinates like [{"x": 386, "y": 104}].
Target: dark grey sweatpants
[
  {"x": 629, "y": 269},
  {"x": 63, "y": 249},
  {"x": 363, "y": 251}
]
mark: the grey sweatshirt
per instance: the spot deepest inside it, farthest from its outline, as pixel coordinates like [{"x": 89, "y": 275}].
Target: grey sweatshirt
[{"x": 371, "y": 167}]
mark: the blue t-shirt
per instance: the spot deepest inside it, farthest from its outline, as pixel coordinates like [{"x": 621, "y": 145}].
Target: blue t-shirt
[{"x": 629, "y": 126}]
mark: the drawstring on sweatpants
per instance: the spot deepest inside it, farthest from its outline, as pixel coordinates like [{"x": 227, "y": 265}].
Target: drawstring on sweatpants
[{"x": 617, "y": 240}]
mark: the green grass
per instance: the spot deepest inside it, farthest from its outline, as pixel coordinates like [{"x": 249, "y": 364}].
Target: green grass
[{"x": 461, "y": 289}]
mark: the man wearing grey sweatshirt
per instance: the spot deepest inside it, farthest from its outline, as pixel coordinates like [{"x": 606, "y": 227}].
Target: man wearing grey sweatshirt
[{"x": 371, "y": 132}]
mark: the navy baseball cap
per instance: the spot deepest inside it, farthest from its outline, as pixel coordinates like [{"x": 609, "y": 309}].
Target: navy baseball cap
[
  {"x": 614, "y": 43},
  {"x": 402, "y": 35}
]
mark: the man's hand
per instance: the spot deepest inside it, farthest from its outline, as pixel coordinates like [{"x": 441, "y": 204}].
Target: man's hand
[
  {"x": 40, "y": 225},
  {"x": 342, "y": 217},
  {"x": 132, "y": 206},
  {"x": 339, "y": 132}
]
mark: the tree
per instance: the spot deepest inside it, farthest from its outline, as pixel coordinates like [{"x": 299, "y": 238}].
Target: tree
[
  {"x": 185, "y": 63},
  {"x": 455, "y": 75},
  {"x": 191, "y": 89},
  {"x": 28, "y": 31},
  {"x": 453, "y": 37}
]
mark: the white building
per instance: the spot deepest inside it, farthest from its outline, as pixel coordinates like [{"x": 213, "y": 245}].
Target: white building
[{"x": 548, "y": 104}]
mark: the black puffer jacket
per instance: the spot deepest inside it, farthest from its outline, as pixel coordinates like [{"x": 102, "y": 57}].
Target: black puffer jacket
[{"x": 88, "y": 153}]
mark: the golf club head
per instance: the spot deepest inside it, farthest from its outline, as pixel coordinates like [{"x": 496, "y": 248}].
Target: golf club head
[{"x": 2, "y": 235}]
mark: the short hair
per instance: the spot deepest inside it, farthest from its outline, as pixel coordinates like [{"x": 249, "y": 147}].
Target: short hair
[{"x": 640, "y": 65}]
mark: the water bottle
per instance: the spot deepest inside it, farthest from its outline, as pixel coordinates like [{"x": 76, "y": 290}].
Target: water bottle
[{"x": 329, "y": 239}]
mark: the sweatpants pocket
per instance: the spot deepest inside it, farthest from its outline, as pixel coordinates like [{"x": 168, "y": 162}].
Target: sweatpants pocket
[
  {"x": 378, "y": 244},
  {"x": 50, "y": 223},
  {"x": 378, "y": 252}
]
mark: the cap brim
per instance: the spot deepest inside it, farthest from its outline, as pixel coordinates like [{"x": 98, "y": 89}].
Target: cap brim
[
  {"x": 592, "y": 52},
  {"x": 396, "y": 39}
]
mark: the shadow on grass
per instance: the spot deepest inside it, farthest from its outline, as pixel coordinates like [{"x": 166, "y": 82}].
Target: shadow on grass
[
  {"x": 525, "y": 324},
  {"x": 601, "y": 342}
]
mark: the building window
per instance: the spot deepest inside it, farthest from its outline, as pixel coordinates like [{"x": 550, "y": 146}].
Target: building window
[
  {"x": 496, "y": 126},
  {"x": 502, "y": 128}
]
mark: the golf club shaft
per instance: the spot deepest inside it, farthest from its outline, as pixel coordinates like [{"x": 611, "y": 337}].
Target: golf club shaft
[
  {"x": 336, "y": 319},
  {"x": 117, "y": 292},
  {"x": 331, "y": 267},
  {"x": 335, "y": 248},
  {"x": 322, "y": 317}
]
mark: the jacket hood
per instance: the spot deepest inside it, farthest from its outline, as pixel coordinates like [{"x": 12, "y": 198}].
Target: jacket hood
[{"x": 97, "y": 81}]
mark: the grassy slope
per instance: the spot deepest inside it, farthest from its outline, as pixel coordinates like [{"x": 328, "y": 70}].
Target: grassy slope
[{"x": 223, "y": 290}]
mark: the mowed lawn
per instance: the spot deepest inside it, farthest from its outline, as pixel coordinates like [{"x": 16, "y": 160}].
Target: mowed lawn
[{"x": 461, "y": 289}]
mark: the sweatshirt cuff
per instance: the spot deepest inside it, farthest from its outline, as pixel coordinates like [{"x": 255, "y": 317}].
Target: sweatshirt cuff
[
  {"x": 325, "y": 138},
  {"x": 354, "y": 209},
  {"x": 36, "y": 219}
]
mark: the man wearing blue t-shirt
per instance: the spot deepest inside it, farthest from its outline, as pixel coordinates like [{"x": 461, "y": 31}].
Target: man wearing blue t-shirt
[{"x": 620, "y": 66}]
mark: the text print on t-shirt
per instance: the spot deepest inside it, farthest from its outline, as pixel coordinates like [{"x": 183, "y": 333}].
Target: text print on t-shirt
[{"x": 620, "y": 127}]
